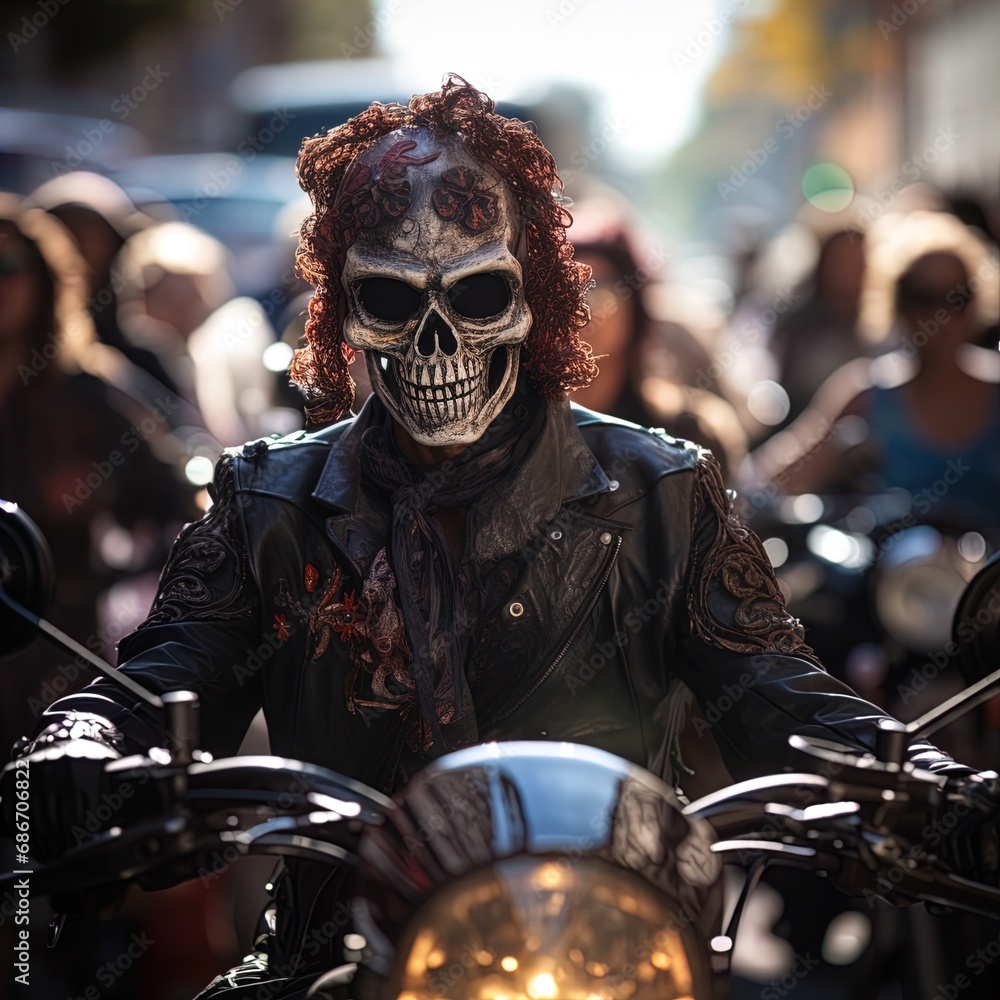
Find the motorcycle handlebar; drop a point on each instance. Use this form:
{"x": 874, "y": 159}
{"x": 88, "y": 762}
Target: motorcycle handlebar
{"x": 824, "y": 824}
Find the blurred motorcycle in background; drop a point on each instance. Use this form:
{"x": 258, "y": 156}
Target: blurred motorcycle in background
{"x": 877, "y": 581}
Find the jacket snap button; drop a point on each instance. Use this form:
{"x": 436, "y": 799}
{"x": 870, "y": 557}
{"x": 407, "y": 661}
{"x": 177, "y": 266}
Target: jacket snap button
{"x": 614, "y": 484}
{"x": 516, "y": 609}
{"x": 606, "y": 538}
{"x": 556, "y": 535}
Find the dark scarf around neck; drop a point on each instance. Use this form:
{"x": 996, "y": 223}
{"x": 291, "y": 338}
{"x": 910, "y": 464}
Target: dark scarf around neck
{"x": 437, "y": 613}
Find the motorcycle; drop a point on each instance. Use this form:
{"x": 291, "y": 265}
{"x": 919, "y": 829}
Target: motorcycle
{"x": 875, "y": 578}
{"x": 511, "y": 871}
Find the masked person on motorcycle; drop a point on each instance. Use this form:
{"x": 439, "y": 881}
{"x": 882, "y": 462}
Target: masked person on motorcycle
{"x": 470, "y": 558}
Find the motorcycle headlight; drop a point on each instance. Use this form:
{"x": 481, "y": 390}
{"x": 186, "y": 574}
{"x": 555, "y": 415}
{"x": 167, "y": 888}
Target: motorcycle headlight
{"x": 533, "y": 929}
{"x": 918, "y": 588}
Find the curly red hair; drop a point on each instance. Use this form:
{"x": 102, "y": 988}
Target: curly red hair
{"x": 555, "y": 284}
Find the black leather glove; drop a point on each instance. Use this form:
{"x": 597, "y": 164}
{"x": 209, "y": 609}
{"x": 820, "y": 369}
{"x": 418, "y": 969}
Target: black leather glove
{"x": 969, "y": 824}
{"x": 60, "y": 775}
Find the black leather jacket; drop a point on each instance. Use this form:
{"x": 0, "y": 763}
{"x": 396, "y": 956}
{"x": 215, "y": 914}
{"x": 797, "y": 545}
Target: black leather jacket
{"x": 612, "y": 568}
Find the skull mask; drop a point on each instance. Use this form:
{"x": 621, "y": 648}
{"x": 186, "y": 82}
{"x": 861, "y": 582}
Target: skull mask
{"x": 434, "y": 289}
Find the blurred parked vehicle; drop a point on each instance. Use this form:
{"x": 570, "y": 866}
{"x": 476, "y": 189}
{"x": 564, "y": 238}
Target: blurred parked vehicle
{"x": 317, "y": 96}
{"x": 36, "y": 146}
{"x": 237, "y": 197}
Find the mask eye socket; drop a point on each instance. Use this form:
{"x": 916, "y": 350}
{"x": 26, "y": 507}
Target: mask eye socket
{"x": 480, "y": 296}
{"x": 389, "y": 299}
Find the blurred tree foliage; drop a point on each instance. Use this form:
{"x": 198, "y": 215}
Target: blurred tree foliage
{"x": 321, "y": 28}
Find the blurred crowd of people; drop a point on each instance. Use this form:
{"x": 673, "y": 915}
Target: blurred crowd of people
{"x": 128, "y": 364}
{"x": 851, "y": 360}
{"x": 864, "y": 371}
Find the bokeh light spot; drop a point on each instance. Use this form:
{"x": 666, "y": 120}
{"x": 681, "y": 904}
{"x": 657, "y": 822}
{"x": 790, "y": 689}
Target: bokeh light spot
{"x": 828, "y": 187}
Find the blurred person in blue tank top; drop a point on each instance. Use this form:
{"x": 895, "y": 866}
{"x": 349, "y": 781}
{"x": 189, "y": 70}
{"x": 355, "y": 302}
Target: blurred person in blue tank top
{"x": 924, "y": 417}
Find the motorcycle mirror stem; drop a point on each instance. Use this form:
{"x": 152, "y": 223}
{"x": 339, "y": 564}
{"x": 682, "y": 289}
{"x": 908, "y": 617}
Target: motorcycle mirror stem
{"x": 956, "y": 706}
{"x": 26, "y": 568}
{"x": 892, "y": 737}
{"x": 69, "y": 645}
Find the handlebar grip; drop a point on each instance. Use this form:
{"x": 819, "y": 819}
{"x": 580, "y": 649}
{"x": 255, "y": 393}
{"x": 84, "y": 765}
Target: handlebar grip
{"x": 891, "y": 742}
{"x": 183, "y": 729}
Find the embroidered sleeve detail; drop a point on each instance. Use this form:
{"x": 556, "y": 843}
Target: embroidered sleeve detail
{"x": 205, "y": 576}
{"x": 734, "y": 602}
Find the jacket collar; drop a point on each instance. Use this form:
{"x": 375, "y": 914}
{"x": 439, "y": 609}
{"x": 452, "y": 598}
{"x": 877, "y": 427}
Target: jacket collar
{"x": 559, "y": 469}
{"x": 339, "y": 483}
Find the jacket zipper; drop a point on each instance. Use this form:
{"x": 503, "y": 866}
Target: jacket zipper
{"x": 572, "y": 637}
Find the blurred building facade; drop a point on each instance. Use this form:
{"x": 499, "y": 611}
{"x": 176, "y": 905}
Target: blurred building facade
{"x": 893, "y": 92}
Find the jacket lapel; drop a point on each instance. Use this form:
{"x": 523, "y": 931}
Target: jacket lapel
{"x": 359, "y": 524}
{"x": 559, "y": 470}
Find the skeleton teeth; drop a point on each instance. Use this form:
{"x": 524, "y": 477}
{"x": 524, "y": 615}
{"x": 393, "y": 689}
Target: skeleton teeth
{"x": 437, "y": 393}
{"x": 452, "y": 401}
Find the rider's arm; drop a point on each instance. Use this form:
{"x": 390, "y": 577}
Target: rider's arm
{"x": 745, "y": 658}
{"x": 204, "y": 619}
{"x": 809, "y": 456}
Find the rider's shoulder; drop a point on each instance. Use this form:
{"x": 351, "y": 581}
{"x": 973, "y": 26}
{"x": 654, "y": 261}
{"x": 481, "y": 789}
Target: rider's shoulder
{"x": 283, "y": 465}
{"x": 641, "y": 453}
